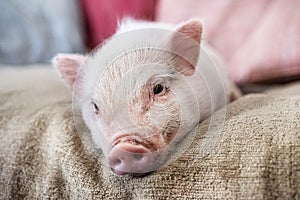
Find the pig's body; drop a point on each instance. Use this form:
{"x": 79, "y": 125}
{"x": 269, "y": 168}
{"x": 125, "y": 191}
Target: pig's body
{"x": 139, "y": 97}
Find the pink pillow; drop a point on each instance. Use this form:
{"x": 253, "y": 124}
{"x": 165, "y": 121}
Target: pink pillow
{"x": 260, "y": 39}
{"x": 102, "y": 15}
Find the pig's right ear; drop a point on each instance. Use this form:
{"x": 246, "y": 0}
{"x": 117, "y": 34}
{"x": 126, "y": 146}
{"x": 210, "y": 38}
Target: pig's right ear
{"x": 68, "y": 66}
{"x": 185, "y": 43}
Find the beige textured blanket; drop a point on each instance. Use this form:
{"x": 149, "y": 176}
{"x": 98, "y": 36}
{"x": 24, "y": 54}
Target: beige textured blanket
{"x": 41, "y": 156}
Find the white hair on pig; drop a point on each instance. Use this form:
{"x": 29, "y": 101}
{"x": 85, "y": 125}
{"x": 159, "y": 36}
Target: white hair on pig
{"x": 145, "y": 89}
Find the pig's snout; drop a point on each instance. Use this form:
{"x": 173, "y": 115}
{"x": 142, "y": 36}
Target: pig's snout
{"x": 126, "y": 158}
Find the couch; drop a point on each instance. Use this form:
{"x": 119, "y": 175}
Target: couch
{"x": 42, "y": 156}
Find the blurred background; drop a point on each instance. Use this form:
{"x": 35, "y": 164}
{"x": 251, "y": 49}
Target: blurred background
{"x": 34, "y": 31}
{"x": 259, "y": 39}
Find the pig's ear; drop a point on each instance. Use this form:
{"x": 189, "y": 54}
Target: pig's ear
{"x": 68, "y": 66}
{"x": 185, "y": 43}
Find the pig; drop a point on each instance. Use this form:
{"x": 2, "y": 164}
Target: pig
{"x": 144, "y": 89}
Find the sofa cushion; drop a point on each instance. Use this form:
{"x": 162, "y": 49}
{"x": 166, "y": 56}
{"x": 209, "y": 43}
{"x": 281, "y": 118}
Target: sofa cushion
{"x": 253, "y": 154}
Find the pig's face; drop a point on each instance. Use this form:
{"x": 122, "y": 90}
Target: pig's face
{"x": 139, "y": 103}
{"x": 135, "y": 104}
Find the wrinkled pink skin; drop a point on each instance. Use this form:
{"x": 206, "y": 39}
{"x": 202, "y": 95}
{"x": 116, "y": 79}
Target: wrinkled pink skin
{"x": 135, "y": 134}
{"x": 259, "y": 38}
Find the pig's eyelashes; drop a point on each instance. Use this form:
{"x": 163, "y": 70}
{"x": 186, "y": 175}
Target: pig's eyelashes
{"x": 158, "y": 89}
{"x": 96, "y": 108}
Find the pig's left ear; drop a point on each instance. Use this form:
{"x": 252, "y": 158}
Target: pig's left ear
{"x": 68, "y": 66}
{"x": 185, "y": 43}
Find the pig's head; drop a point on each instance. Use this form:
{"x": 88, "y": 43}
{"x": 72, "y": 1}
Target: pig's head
{"x": 136, "y": 94}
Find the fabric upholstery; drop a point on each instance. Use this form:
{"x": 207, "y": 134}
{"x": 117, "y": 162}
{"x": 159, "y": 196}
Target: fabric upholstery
{"x": 256, "y": 156}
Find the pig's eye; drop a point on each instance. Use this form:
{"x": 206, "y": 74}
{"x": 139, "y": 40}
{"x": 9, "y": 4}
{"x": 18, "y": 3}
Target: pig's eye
{"x": 96, "y": 108}
{"x": 158, "y": 88}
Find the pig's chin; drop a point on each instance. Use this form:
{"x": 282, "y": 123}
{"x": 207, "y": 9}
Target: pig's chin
{"x": 121, "y": 173}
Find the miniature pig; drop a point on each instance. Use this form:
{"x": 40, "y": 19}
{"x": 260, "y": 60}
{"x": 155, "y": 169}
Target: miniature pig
{"x": 144, "y": 90}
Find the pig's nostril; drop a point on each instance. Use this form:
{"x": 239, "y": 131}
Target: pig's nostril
{"x": 116, "y": 162}
{"x": 138, "y": 156}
